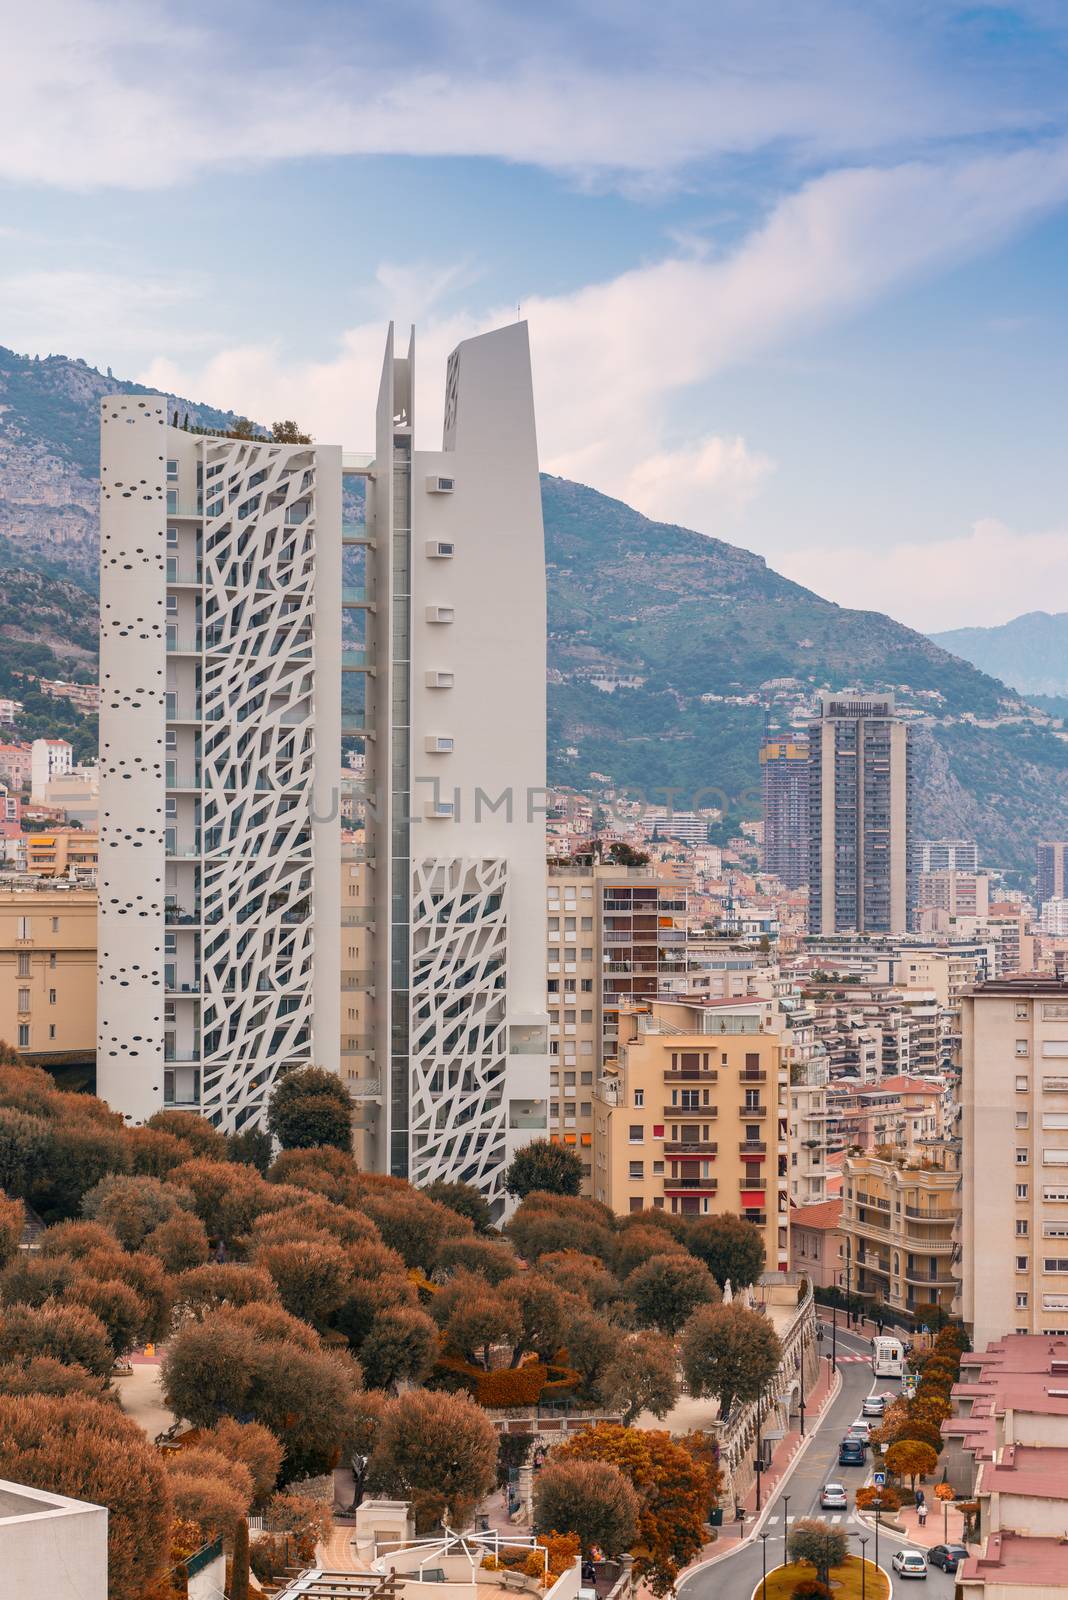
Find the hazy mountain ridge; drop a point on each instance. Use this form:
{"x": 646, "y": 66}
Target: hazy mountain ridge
{"x": 1030, "y": 652}
{"x": 688, "y": 614}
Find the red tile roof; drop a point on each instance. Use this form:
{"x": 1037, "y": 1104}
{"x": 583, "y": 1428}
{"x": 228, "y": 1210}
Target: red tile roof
{"x": 825, "y": 1214}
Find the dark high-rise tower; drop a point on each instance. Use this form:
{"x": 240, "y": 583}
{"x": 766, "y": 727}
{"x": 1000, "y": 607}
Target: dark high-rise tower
{"x": 784, "y": 769}
{"x": 860, "y": 857}
{"x": 1051, "y": 860}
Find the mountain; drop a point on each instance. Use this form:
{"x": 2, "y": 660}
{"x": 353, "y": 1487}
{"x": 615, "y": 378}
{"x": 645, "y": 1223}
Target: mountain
{"x": 664, "y": 644}
{"x": 1030, "y": 652}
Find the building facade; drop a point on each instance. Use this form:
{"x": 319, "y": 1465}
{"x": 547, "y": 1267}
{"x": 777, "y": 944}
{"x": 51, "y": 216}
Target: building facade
{"x": 219, "y": 764}
{"x": 1050, "y": 858}
{"x": 49, "y": 758}
{"x": 1014, "y": 1132}
{"x": 693, "y": 1120}
{"x": 860, "y": 866}
{"x": 48, "y": 972}
{"x": 784, "y": 782}
{"x": 897, "y": 1223}
{"x": 449, "y": 681}
{"x": 948, "y": 855}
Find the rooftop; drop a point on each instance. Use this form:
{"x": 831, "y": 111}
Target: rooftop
{"x": 1010, "y": 1558}
{"x": 826, "y": 1214}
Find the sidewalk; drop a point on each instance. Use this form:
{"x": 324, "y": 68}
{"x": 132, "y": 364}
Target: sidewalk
{"x": 732, "y": 1534}
{"x": 908, "y": 1523}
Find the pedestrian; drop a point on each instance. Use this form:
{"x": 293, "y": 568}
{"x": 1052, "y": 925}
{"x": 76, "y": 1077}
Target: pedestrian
{"x": 921, "y": 1513}
{"x": 920, "y": 1498}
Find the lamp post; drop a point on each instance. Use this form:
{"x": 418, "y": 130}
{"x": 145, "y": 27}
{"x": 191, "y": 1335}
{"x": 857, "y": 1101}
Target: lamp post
{"x": 863, "y": 1565}
{"x": 878, "y": 1508}
{"x": 834, "y": 1336}
{"x": 759, "y": 1453}
{"x": 802, "y": 1384}
{"x": 785, "y": 1528}
{"x": 764, "y": 1566}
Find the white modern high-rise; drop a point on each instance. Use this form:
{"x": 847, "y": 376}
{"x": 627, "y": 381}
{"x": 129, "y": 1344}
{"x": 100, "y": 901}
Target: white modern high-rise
{"x": 226, "y": 688}
{"x": 220, "y": 639}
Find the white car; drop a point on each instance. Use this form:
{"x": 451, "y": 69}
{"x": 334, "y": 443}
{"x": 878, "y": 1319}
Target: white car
{"x": 833, "y": 1498}
{"x": 861, "y": 1429}
{"x": 909, "y": 1563}
{"x": 875, "y": 1404}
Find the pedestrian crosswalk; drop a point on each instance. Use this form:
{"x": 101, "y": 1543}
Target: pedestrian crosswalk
{"x": 866, "y": 1359}
{"x": 835, "y": 1516}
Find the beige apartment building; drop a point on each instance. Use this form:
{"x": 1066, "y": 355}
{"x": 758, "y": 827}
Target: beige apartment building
{"x": 48, "y": 972}
{"x": 897, "y": 1223}
{"x": 63, "y": 853}
{"x": 692, "y": 1118}
{"x": 613, "y": 935}
{"x": 1014, "y": 1131}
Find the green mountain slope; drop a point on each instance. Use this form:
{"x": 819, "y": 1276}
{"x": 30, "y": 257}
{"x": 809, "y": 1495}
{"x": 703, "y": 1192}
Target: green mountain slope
{"x": 688, "y": 616}
{"x": 1030, "y": 652}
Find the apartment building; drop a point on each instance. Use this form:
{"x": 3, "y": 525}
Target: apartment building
{"x": 63, "y": 853}
{"x": 693, "y": 1117}
{"x": 953, "y": 893}
{"x": 1051, "y": 856}
{"x": 784, "y": 781}
{"x": 613, "y": 935}
{"x": 228, "y": 684}
{"x": 1054, "y": 918}
{"x": 1014, "y": 1131}
{"x": 897, "y": 1223}
{"x": 1010, "y": 926}
{"x": 1006, "y": 1447}
{"x": 49, "y": 758}
{"x": 817, "y": 1245}
{"x": 48, "y": 972}
{"x": 948, "y": 855}
{"x": 16, "y": 761}
{"x": 908, "y": 1114}
{"x": 860, "y": 817}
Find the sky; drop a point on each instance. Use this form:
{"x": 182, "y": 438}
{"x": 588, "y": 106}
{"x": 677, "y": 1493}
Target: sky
{"x": 794, "y": 270}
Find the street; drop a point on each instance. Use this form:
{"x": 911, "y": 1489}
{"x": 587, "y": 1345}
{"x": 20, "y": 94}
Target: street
{"x": 738, "y": 1575}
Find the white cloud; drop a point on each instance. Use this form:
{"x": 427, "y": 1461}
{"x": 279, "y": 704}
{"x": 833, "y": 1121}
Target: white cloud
{"x": 104, "y": 317}
{"x": 614, "y": 362}
{"x": 979, "y": 578}
{"x": 141, "y": 94}
{"x": 697, "y": 484}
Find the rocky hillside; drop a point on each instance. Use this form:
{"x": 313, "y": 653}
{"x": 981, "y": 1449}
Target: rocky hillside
{"x": 664, "y": 644}
{"x": 1030, "y": 652}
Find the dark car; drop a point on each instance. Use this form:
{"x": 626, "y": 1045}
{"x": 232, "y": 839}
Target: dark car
{"x": 947, "y": 1556}
{"x": 851, "y": 1451}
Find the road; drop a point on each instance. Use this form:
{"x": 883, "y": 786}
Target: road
{"x": 738, "y": 1575}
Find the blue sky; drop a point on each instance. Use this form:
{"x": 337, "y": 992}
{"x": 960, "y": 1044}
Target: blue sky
{"x": 794, "y": 269}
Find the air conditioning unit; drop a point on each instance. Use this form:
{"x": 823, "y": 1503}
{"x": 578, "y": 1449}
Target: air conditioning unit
{"x": 440, "y": 614}
{"x": 440, "y": 680}
{"x": 440, "y": 810}
{"x": 440, "y": 549}
{"x": 440, "y": 744}
{"x": 436, "y": 485}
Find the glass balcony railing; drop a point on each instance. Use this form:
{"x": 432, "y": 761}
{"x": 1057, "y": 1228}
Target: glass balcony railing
{"x": 354, "y": 594}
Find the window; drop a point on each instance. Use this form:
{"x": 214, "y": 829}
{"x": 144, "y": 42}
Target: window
{"x": 1055, "y": 1264}
{"x": 637, "y": 1132}
{"x": 52, "y": 959}
{"x": 55, "y": 924}
{"x": 586, "y": 952}
{"x": 1022, "y": 1190}
{"x": 1022, "y": 1158}
{"x": 24, "y": 999}
{"x": 639, "y": 1097}
{"x": 24, "y": 1035}
{"x": 1021, "y": 1300}
{"x": 51, "y": 1030}
{"x": 637, "y": 1169}
{"x": 1022, "y": 1227}
{"x": 586, "y": 924}
{"x": 23, "y": 928}
{"x": 637, "y": 1203}
{"x": 1022, "y": 1083}
{"x": 1021, "y": 1047}
{"x": 1021, "y": 1263}
{"x": 23, "y": 964}
{"x": 1023, "y": 1010}
{"x": 658, "y": 1130}
{"x": 586, "y": 985}
{"x": 51, "y": 997}
{"x": 1021, "y": 1119}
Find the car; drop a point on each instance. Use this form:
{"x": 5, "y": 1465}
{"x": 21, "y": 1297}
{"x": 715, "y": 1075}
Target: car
{"x": 874, "y": 1405}
{"x": 909, "y": 1563}
{"x": 861, "y": 1428}
{"x": 852, "y": 1451}
{"x": 947, "y": 1556}
{"x": 833, "y": 1498}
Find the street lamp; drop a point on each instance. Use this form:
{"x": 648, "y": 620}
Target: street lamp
{"x": 834, "y": 1336}
{"x": 759, "y": 1452}
{"x": 878, "y": 1508}
{"x": 764, "y": 1565}
{"x": 785, "y": 1527}
{"x": 863, "y": 1565}
{"x": 802, "y": 1384}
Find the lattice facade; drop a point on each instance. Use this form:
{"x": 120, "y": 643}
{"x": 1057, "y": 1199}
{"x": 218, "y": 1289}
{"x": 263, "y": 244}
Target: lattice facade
{"x": 239, "y": 666}
{"x": 459, "y": 1037}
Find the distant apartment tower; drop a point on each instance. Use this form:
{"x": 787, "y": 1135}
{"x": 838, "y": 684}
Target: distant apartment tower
{"x": 860, "y": 867}
{"x": 948, "y": 855}
{"x": 49, "y": 758}
{"x": 614, "y": 935}
{"x": 785, "y": 780}
{"x": 1055, "y": 918}
{"x": 220, "y": 674}
{"x": 1014, "y": 1133}
{"x": 1050, "y": 857}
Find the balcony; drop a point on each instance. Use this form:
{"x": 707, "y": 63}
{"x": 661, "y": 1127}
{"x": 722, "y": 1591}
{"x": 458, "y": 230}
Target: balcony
{"x": 359, "y": 1044}
{"x": 696, "y": 1075}
{"x": 181, "y": 1055}
{"x": 689, "y": 1147}
{"x": 181, "y": 916}
{"x": 752, "y": 1076}
{"x": 688, "y": 1113}
{"x": 752, "y": 1113}
{"x": 357, "y": 916}
{"x": 948, "y": 1217}
{"x": 752, "y": 1147}
{"x": 355, "y": 595}
{"x": 679, "y": 1185}
{"x": 361, "y": 981}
